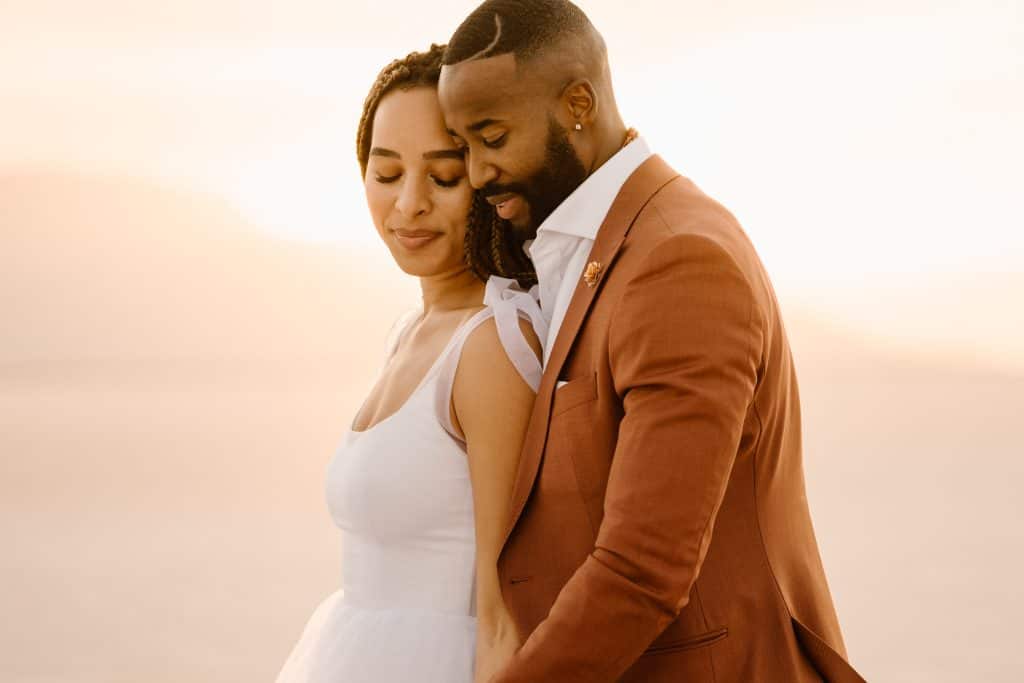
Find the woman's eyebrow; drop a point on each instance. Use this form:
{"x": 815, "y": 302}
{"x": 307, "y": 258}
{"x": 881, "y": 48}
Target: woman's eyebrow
{"x": 445, "y": 154}
{"x": 436, "y": 154}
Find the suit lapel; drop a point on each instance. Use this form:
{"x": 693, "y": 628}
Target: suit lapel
{"x": 638, "y": 189}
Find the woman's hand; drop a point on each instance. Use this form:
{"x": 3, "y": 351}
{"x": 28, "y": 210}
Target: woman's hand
{"x": 495, "y": 644}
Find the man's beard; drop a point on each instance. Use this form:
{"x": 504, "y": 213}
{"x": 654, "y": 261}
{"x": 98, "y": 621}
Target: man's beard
{"x": 561, "y": 173}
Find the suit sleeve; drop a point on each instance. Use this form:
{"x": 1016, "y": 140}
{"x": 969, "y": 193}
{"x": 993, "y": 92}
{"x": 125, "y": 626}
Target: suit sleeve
{"x": 684, "y": 348}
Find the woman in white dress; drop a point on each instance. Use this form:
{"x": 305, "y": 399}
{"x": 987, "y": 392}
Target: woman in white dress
{"x": 421, "y": 483}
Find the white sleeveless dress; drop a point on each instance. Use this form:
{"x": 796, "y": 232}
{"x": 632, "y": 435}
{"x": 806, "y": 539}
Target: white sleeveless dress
{"x": 400, "y": 492}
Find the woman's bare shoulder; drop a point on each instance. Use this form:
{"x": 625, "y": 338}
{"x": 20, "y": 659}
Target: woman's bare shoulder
{"x": 484, "y": 357}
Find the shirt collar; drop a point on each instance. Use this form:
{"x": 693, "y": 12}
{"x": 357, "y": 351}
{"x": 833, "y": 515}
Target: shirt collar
{"x": 583, "y": 211}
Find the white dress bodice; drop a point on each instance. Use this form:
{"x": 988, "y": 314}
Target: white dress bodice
{"x": 401, "y": 494}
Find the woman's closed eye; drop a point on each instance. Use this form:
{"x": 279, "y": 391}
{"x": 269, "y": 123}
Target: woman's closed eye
{"x": 446, "y": 182}
{"x": 440, "y": 181}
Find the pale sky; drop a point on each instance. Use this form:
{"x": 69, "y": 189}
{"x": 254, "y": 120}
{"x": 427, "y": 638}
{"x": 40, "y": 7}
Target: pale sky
{"x": 872, "y": 144}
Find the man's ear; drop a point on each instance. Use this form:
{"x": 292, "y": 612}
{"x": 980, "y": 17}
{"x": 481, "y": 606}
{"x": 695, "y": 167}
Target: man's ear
{"x": 580, "y": 99}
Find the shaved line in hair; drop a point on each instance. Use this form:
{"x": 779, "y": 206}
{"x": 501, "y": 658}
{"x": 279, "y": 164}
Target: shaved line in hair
{"x": 497, "y": 36}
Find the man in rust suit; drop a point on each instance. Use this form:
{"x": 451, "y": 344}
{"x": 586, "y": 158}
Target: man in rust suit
{"x": 659, "y": 528}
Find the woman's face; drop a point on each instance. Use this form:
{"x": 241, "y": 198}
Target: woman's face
{"x": 416, "y": 184}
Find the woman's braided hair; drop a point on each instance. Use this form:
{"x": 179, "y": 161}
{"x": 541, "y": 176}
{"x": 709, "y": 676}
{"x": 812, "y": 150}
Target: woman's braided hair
{"x": 492, "y": 246}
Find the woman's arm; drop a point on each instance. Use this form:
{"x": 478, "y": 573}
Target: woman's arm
{"x": 492, "y": 405}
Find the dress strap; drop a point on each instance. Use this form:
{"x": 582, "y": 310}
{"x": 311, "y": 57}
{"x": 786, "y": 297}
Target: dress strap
{"x": 506, "y": 302}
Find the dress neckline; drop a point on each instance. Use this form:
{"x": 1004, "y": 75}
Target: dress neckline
{"x": 423, "y": 380}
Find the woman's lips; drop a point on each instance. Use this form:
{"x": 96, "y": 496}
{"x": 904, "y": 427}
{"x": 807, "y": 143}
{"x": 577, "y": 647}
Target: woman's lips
{"x": 414, "y": 239}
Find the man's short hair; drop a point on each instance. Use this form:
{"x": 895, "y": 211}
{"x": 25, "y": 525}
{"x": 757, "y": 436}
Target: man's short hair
{"x": 523, "y": 27}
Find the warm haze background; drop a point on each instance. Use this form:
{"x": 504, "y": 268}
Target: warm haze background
{"x": 193, "y": 301}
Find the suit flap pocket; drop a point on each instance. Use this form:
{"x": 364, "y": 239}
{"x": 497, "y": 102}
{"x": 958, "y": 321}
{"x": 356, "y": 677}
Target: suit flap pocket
{"x": 702, "y": 640}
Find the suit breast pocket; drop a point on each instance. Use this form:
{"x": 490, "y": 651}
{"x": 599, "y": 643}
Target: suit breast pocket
{"x": 573, "y": 393}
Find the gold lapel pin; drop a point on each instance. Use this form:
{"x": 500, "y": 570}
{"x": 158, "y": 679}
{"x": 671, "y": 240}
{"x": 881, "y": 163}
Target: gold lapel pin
{"x": 593, "y": 273}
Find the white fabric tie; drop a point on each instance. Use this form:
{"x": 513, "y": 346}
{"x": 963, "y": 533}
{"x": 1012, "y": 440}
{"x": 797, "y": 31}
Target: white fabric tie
{"x": 508, "y": 300}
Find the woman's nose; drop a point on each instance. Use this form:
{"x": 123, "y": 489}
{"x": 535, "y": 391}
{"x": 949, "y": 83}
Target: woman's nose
{"x": 412, "y": 198}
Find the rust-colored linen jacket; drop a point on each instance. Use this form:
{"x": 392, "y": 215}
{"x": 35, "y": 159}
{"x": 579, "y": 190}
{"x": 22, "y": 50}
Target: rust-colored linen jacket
{"x": 659, "y": 527}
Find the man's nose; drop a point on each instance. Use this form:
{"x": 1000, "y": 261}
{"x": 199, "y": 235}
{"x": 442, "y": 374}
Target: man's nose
{"x": 412, "y": 198}
{"x": 481, "y": 172}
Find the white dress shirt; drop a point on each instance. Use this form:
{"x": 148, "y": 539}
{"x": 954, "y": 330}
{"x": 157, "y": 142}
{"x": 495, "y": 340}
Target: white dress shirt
{"x": 564, "y": 239}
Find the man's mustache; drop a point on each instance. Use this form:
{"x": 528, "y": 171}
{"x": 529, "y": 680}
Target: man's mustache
{"x": 492, "y": 190}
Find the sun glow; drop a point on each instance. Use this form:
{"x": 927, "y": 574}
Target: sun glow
{"x": 309, "y": 191}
